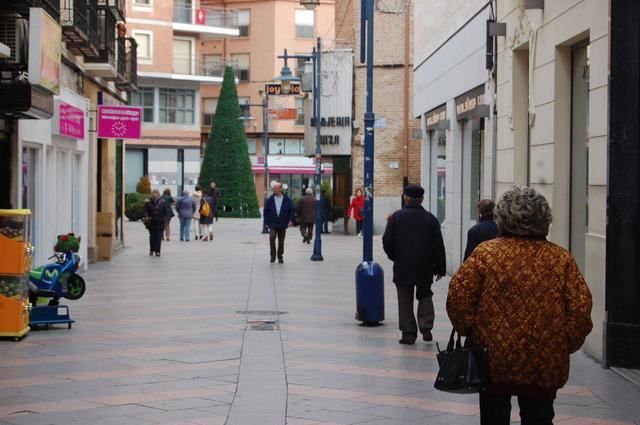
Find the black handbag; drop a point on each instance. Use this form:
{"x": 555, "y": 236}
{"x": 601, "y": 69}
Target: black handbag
{"x": 463, "y": 368}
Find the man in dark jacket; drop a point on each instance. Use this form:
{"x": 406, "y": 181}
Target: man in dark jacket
{"x": 325, "y": 210}
{"x": 307, "y": 215}
{"x": 486, "y": 228}
{"x": 278, "y": 215}
{"x": 216, "y": 197}
{"x": 413, "y": 241}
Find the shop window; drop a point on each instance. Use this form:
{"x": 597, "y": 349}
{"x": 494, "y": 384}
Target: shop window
{"x": 293, "y": 147}
{"x": 252, "y": 146}
{"x": 441, "y": 178}
{"x": 177, "y": 106}
{"x": 304, "y": 23}
{"x": 145, "y": 98}
{"x": 276, "y": 146}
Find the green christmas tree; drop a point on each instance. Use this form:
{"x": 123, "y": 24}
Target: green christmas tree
{"x": 226, "y": 159}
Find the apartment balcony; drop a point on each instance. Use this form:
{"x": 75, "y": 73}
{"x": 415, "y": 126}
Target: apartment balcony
{"x": 117, "y": 7}
{"x": 78, "y": 19}
{"x": 128, "y": 79}
{"x": 104, "y": 64}
{"x": 186, "y": 69}
{"x": 217, "y": 22}
{"x": 52, "y": 7}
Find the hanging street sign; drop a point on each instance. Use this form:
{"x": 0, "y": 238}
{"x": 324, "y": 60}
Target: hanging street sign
{"x": 275, "y": 89}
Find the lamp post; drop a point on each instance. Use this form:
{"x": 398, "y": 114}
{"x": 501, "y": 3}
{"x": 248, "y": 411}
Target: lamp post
{"x": 369, "y": 274}
{"x": 286, "y": 77}
{"x": 265, "y": 145}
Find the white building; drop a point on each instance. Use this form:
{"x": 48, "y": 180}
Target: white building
{"x": 453, "y": 96}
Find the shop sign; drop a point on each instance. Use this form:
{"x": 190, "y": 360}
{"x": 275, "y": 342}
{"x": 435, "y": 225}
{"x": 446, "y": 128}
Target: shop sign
{"x": 336, "y": 121}
{"x": 275, "y": 89}
{"x": 68, "y": 121}
{"x": 45, "y": 50}
{"x": 435, "y": 116}
{"x": 283, "y": 114}
{"x": 472, "y": 104}
{"x": 119, "y": 122}
{"x": 201, "y": 16}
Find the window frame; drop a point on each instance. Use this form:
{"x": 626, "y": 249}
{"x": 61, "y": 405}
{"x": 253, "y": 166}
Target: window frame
{"x": 204, "y": 111}
{"x": 144, "y": 60}
{"x": 248, "y": 26}
{"x": 192, "y": 54}
{"x": 221, "y": 62}
{"x": 177, "y": 92}
{"x": 238, "y": 70}
{"x": 298, "y": 33}
{"x": 299, "y": 121}
{"x": 141, "y": 93}
{"x": 148, "y": 7}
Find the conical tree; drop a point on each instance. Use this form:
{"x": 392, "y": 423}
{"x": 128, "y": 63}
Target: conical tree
{"x": 226, "y": 159}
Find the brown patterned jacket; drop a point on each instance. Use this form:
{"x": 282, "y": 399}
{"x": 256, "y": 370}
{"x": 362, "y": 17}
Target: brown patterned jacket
{"x": 526, "y": 301}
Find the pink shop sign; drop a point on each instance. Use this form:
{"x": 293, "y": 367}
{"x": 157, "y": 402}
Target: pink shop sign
{"x": 119, "y": 122}
{"x": 68, "y": 120}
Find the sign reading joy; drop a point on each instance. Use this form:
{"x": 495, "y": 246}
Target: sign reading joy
{"x": 119, "y": 122}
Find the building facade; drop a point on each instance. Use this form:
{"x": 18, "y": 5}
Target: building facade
{"x": 397, "y": 151}
{"x": 453, "y": 96}
{"x": 267, "y": 28}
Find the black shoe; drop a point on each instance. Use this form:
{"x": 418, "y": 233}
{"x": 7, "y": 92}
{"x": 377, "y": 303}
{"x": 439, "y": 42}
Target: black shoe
{"x": 407, "y": 341}
{"x": 308, "y": 241}
{"x": 281, "y": 260}
{"x": 427, "y": 336}
{"x": 151, "y": 253}
{"x": 273, "y": 259}
{"x": 157, "y": 254}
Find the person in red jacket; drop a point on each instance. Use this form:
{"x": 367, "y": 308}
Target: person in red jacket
{"x": 356, "y": 210}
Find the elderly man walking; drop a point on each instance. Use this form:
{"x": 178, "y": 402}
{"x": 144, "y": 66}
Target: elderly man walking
{"x": 307, "y": 215}
{"x": 186, "y": 207}
{"x": 278, "y": 215}
{"x": 413, "y": 241}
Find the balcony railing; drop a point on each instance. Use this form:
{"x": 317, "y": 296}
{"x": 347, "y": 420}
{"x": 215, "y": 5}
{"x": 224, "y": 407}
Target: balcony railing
{"x": 52, "y": 7}
{"x": 118, "y": 7}
{"x": 106, "y": 44}
{"x": 76, "y": 17}
{"x": 129, "y": 81}
{"x": 205, "y": 17}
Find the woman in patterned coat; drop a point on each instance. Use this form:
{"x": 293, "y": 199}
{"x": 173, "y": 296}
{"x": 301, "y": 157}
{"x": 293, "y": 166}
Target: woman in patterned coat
{"x": 525, "y": 300}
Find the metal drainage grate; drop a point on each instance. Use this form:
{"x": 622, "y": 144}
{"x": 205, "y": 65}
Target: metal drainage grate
{"x": 262, "y": 324}
{"x": 261, "y": 312}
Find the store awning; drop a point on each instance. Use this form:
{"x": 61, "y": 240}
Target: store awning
{"x": 259, "y": 169}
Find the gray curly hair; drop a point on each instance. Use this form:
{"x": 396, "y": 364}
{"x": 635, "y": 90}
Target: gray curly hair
{"x": 522, "y": 211}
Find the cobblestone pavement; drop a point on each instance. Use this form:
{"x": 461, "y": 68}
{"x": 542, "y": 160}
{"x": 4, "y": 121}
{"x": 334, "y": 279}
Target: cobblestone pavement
{"x": 185, "y": 339}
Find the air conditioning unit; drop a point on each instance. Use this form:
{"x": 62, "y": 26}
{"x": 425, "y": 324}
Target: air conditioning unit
{"x": 14, "y": 33}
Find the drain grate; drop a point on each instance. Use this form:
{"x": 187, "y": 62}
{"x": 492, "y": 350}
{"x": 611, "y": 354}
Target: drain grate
{"x": 262, "y": 324}
{"x": 261, "y": 312}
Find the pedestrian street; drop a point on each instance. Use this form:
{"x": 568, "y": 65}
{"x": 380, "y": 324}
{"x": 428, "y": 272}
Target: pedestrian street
{"x": 213, "y": 333}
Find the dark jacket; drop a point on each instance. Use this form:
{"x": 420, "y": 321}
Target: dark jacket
{"x": 287, "y": 213}
{"x": 168, "y": 201}
{"x": 186, "y": 207}
{"x": 485, "y": 230}
{"x": 307, "y": 210}
{"x": 215, "y": 195}
{"x": 205, "y": 219}
{"x": 413, "y": 241}
{"x": 156, "y": 213}
{"x": 325, "y": 206}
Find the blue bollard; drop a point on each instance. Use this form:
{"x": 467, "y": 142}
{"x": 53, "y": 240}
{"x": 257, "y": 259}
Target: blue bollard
{"x": 370, "y": 293}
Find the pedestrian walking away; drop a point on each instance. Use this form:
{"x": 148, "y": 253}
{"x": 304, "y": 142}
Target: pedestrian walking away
{"x": 197, "y": 198}
{"x": 413, "y": 241}
{"x": 278, "y": 215}
{"x": 356, "y": 210}
{"x": 307, "y": 215}
{"x": 486, "y": 228}
{"x": 186, "y": 207}
{"x": 206, "y": 217}
{"x": 153, "y": 217}
{"x": 325, "y": 210}
{"x": 524, "y": 299}
{"x": 168, "y": 201}
{"x": 216, "y": 197}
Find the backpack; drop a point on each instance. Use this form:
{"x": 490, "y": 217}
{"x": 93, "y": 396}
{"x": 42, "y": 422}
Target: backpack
{"x": 206, "y": 209}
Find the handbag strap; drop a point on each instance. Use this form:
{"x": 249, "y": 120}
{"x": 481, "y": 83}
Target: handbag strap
{"x": 457, "y": 341}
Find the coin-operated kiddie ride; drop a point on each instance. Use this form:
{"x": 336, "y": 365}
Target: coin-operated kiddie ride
{"x": 55, "y": 280}
{"x": 15, "y": 263}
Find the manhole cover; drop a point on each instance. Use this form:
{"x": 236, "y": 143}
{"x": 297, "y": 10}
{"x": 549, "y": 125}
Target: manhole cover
{"x": 262, "y": 325}
{"x": 261, "y": 312}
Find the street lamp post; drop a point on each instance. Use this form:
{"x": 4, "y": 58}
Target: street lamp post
{"x": 286, "y": 78}
{"x": 369, "y": 274}
{"x": 265, "y": 145}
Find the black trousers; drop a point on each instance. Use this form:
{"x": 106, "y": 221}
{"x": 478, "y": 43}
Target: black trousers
{"x": 155, "y": 239}
{"x": 406, "y": 317}
{"x": 306, "y": 230}
{"x": 496, "y": 410}
{"x": 359, "y": 226}
{"x": 280, "y": 234}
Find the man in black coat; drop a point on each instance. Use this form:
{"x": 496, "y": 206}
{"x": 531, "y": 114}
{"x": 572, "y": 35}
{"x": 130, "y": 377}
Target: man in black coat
{"x": 278, "y": 215}
{"x": 413, "y": 241}
{"x": 486, "y": 228}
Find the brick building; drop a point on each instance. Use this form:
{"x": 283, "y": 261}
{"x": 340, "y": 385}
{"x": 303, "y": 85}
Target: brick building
{"x": 393, "y": 81}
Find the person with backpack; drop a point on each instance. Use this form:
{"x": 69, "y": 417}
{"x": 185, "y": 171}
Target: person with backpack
{"x": 206, "y": 217}
{"x": 154, "y": 216}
